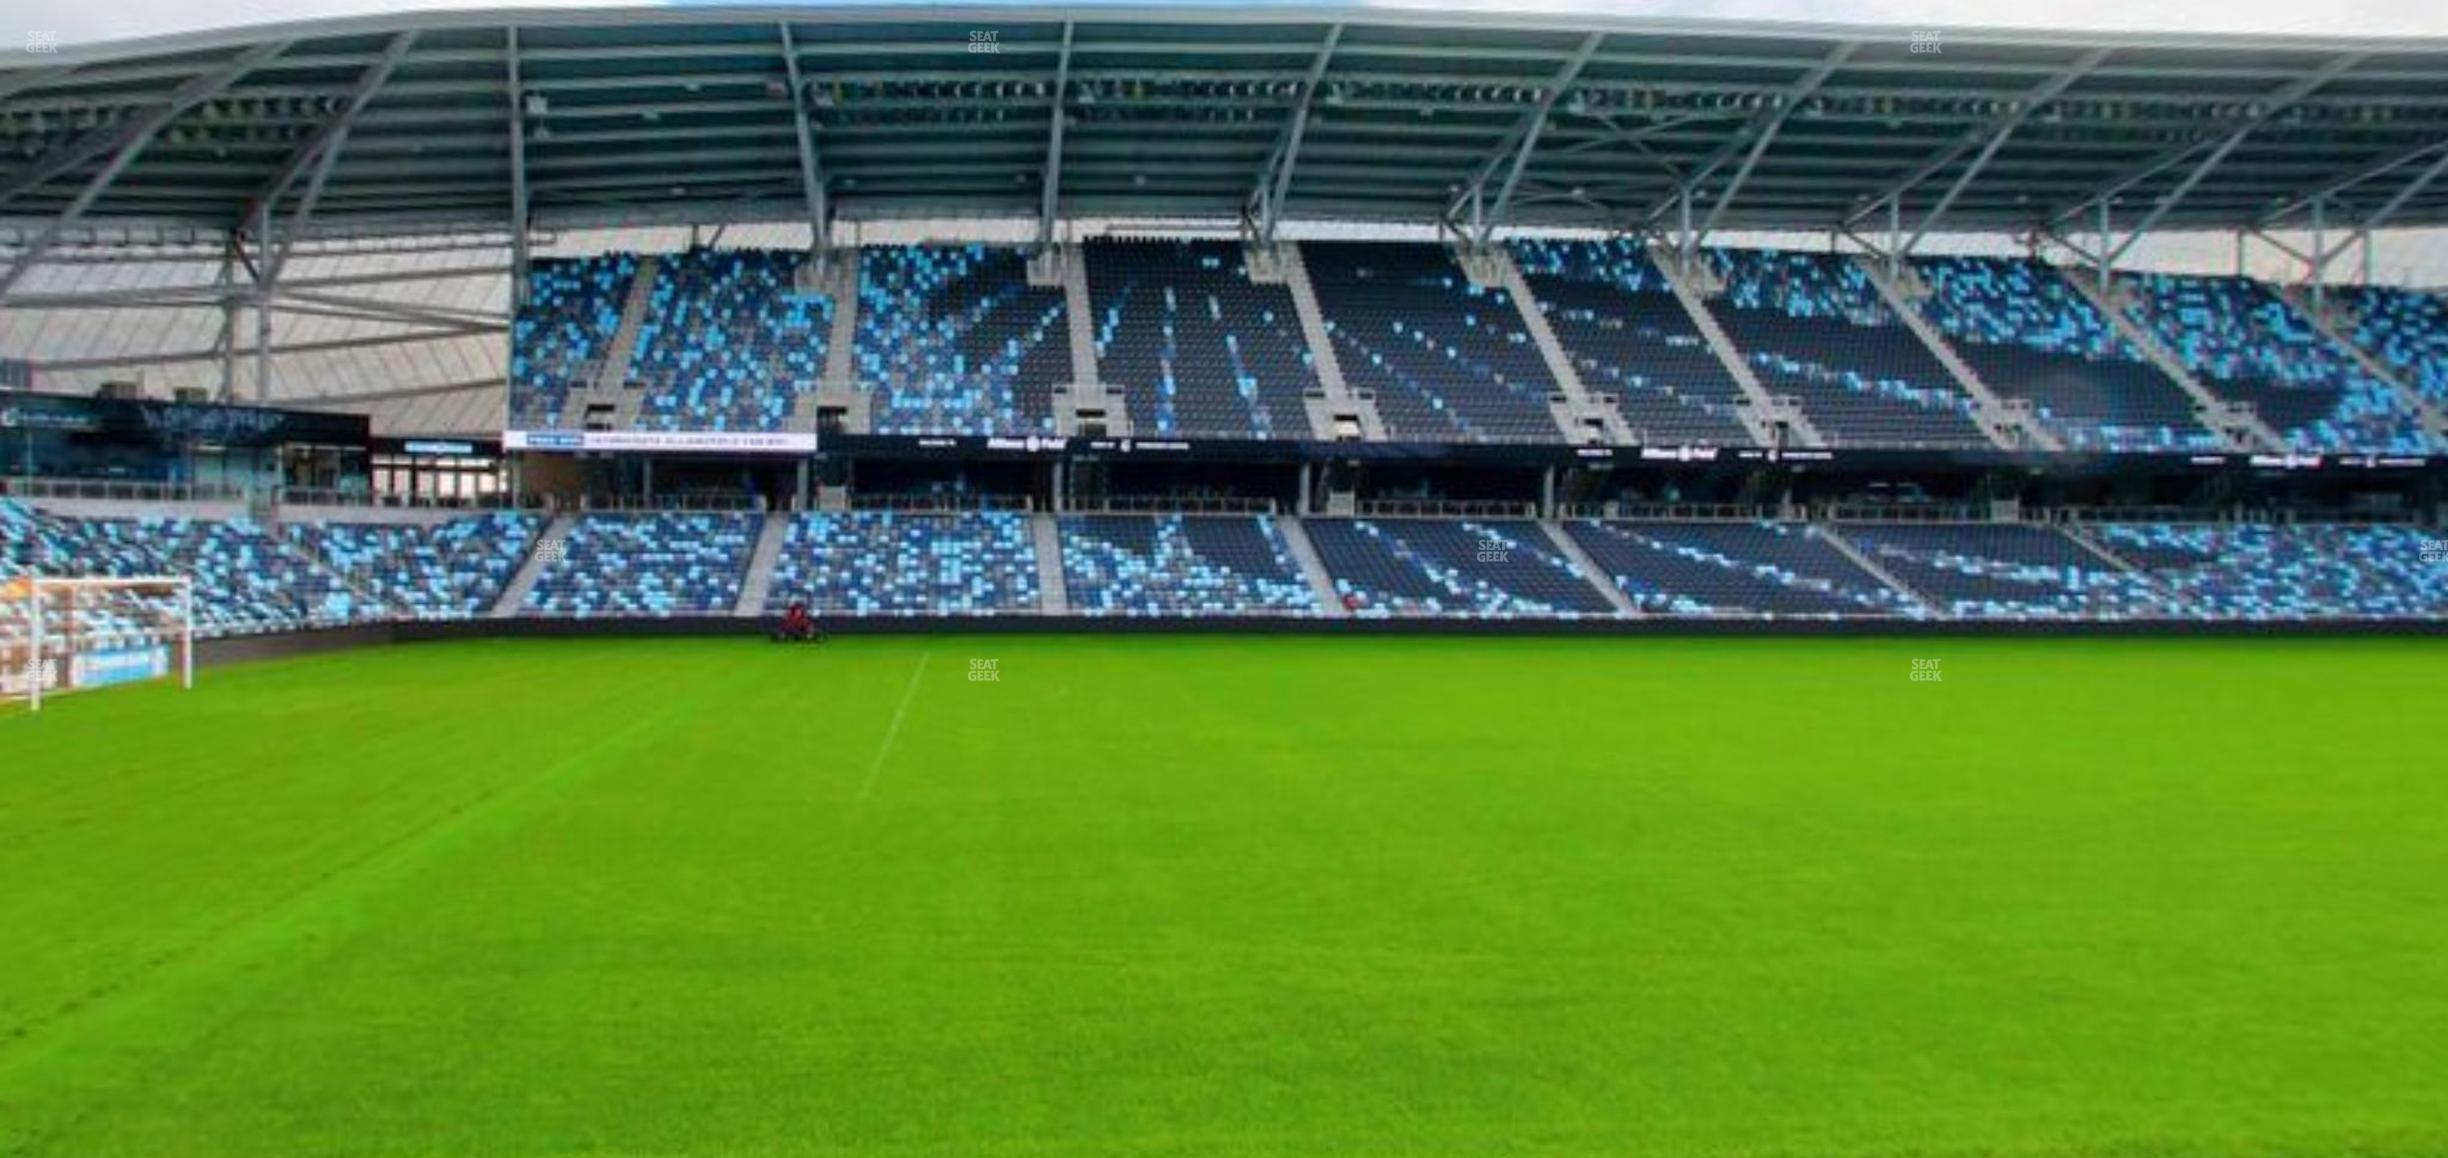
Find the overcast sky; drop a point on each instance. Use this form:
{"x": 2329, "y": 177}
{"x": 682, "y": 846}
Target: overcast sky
{"x": 79, "y": 21}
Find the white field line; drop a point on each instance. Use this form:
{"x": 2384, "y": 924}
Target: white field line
{"x": 875, "y": 767}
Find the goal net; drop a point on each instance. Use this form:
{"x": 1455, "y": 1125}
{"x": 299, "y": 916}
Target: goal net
{"x": 69, "y": 634}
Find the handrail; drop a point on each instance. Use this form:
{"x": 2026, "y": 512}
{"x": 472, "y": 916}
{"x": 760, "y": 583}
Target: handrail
{"x": 1447, "y": 508}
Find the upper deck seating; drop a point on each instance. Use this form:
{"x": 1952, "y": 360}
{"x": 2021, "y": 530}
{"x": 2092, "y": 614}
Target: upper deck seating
{"x": 2246, "y": 344}
{"x": 1813, "y": 326}
{"x": 1629, "y": 335}
{"x": 1197, "y": 348}
{"x": 954, "y": 340}
{"x": 560, "y": 337}
{"x": 1448, "y": 361}
{"x": 728, "y": 342}
{"x": 2407, "y": 330}
{"x": 2030, "y": 335}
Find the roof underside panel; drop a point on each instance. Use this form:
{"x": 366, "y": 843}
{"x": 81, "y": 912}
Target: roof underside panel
{"x": 418, "y": 120}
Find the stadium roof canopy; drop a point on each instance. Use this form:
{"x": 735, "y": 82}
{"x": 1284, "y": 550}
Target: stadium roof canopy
{"x": 320, "y": 214}
{"x": 453, "y": 120}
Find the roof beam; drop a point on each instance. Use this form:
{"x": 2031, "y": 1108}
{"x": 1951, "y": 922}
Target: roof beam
{"x": 1999, "y": 129}
{"x": 1507, "y": 145}
{"x": 2282, "y": 98}
{"x": 104, "y": 140}
{"x": 2388, "y": 209}
{"x": 328, "y": 138}
{"x": 1275, "y": 180}
{"x": 2380, "y": 168}
{"x": 1054, "y": 139}
{"x": 2274, "y": 102}
{"x": 129, "y": 141}
{"x": 811, "y": 172}
{"x": 1534, "y": 123}
{"x": 518, "y": 169}
{"x": 2031, "y": 102}
{"x": 1769, "y": 122}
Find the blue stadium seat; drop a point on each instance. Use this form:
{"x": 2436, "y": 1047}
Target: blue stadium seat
{"x": 1629, "y": 335}
{"x": 2030, "y": 335}
{"x": 1181, "y": 565}
{"x": 453, "y": 569}
{"x": 2407, "y": 330}
{"x": 246, "y": 580}
{"x": 559, "y": 339}
{"x": 1484, "y": 569}
{"x": 651, "y": 565}
{"x": 1197, "y": 348}
{"x": 2001, "y": 571}
{"x": 888, "y": 563}
{"x": 1813, "y": 326}
{"x": 1449, "y": 361}
{"x": 954, "y": 340}
{"x": 1736, "y": 570}
{"x": 728, "y": 342}
{"x": 2258, "y": 572}
{"x": 2246, "y": 344}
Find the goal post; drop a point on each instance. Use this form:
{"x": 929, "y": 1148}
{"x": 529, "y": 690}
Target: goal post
{"x": 62, "y": 634}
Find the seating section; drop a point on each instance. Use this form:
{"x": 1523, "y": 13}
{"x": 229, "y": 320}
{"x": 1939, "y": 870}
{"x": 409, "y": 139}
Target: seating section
{"x": 888, "y": 563}
{"x": 1181, "y": 565}
{"x": 246, "y": 581}
{"x": 1448, "y": 361}
{"x": 2030, "y": 335}
{"x": 2004, "y": 571}
{"x": 652, "y": 565}
{"x": 1488, "y": 569}
{"x": 728, "y": 343}
{"x": 1736, "y": 570}
{"x": 1813, "y": 326}
{"x": 560, "y": 338}
{"x": 453, "y": 569}
{"x": 2246, "y": 344}
{"x": 1197, "y": 348}
{"x": 2408, "y": 331}
{"x": 1629, "y": 335}
{"x": 954, "y": 340}
{"x": 2293, "y": 572}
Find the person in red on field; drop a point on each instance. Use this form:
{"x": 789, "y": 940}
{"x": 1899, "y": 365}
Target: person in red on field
{"x": 797, "y": 625}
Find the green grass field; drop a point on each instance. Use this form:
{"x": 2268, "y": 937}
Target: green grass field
{"x": 1235, "y": 897}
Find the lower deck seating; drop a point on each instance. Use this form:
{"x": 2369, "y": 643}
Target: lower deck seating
{"x": 453, "y": 569}
{"x": 246, "y": 580}
{"x": 651, "y": 565}
{"x": 1490, "y": 569}
{"x": 2291, "y": 572}
{"x": 2004, "y": 571}
{"x": 1181, "y": 565}
{"x": 1736, "y": 570}
{"x": 888, "y": 563}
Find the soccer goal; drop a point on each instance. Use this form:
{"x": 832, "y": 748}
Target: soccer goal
{"x": 68, "y": 634}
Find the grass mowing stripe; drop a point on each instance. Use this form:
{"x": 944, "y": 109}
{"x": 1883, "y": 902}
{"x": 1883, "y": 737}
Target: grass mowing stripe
{"x": 875, "y": 767}
{"x": 1236, "y": 897}
{"x": 245, "y": 960}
